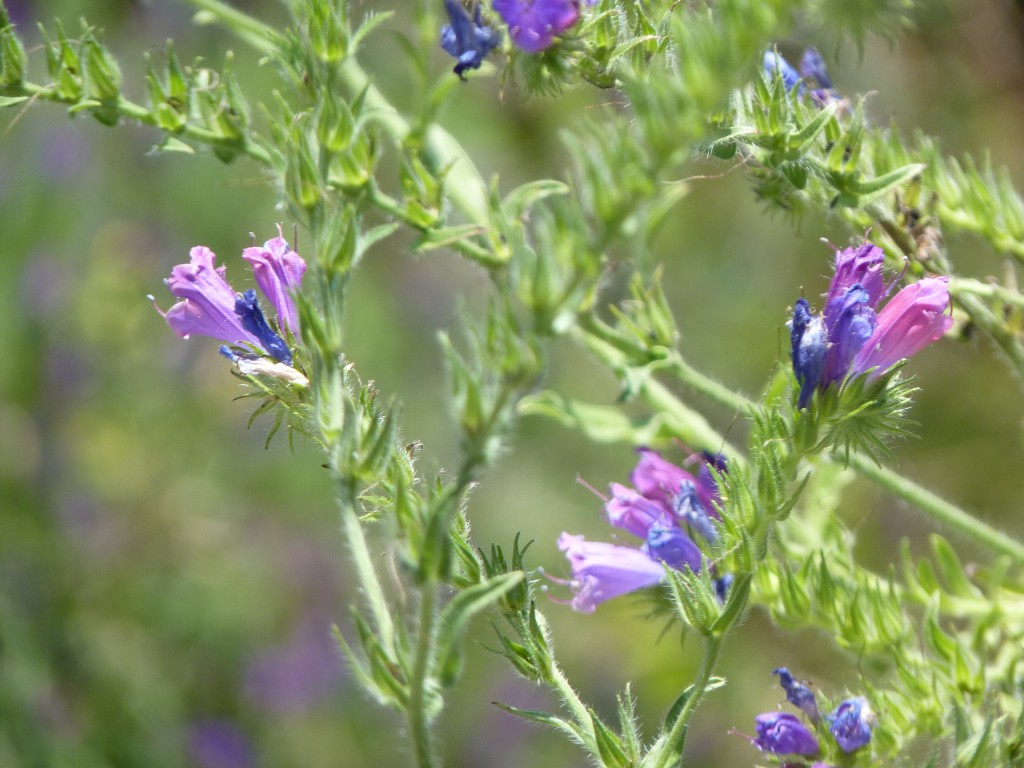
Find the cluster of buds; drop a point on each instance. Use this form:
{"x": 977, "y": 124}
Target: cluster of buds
{"x": 849, "y": 725}
{"x": 669, "y": 509}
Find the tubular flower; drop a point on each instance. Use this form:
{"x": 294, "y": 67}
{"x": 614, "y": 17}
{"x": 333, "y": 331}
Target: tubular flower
{"x": 663, "y": 511}
{"x": 783, "y": 734}
{"x": 852, "y": 338}
{"x": 466, "y": 38}
{"x": 601, "y": 571}
{"x": 278, "y": 271}
{"x": 533, "y": 25}
{"x": 210, "y": 307}
{"x": 851, "y": 723}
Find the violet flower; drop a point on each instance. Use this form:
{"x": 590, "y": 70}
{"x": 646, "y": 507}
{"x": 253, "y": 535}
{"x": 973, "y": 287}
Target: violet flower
{"x": 663, "y": 511}
{"x": 465, "y": 38}
{"x": 210, "y": 307}
{"x": 812, "y": 75}
{"x": 278, "y": 271}
{"x": 798, "y": 694}
{"x": 534, "y": 24}
{"x": 783, "y": 734}
{"x": 851, "y": 723}
{"x": 851, "y": 337}
{"x": 601, "y": 571}
{"x": 774, "y": 62}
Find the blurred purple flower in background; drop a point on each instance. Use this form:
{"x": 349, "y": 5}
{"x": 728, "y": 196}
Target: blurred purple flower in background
{"x": 219, "y": 744}
{"x": 295, "y": 676}
{"x": 812, "y": 75}
{"x": 533, "y": 25}
{"x": 850, "y": 338}
{"x": 783, "y": 734}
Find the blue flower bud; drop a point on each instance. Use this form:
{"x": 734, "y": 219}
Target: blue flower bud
{"x": 247, "y": 307}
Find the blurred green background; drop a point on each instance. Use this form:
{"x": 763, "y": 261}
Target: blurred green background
{"x": 167, "y": 585}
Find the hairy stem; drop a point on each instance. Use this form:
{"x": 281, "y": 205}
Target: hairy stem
{"x": 416, "y": 711}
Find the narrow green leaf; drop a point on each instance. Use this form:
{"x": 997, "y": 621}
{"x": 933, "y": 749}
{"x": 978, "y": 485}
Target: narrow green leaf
{"x": 458, "y": 612}
{"x": 10, "y": 101}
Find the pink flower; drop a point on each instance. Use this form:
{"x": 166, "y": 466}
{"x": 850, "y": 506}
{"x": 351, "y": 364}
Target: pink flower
{"x": 914, "y": 318}
{"x": 278, "y": 271}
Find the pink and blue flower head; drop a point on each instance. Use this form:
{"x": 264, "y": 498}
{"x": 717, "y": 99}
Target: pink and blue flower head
{"x": 781, "y": 733}
{"x": 466, "y": 38}
{"x": 851, "y": 723}
{"x": 533, "y": 25}
{"x": 852, "y": 337}
{"x": 664, "y": 511}
{"x": 209, "y": 306}
{"x": 798, "y": 694}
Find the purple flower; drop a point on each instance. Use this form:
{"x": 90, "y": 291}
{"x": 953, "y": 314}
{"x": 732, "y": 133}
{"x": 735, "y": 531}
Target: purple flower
{"x": 851, "y": 723}
{"x": 219, "y": 744}
{"x": 773, "y": 62}
{"x": 210, "y": 307}
{"x": 662, "y": 512}
{"x": 671, "y": 546}
{"x": 465, "y": 38}
{"x": 812, "y": 74}
{"x": 278, "y": 271}
{"x": 851, "y": 337}
{"x": 601, "y": 571}
{"x": 533, "y": 24}
{"x": 207, "y": 305}
{"x": 783, "y": 734}
{"x": 798, "y": 694}
{"x": 634, "y": 512}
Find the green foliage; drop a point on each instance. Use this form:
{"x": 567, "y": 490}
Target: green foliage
{"x": 936, "y": 641}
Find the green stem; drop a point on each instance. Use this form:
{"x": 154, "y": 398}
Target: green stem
{"x": 416, "y": 711}
{"x": 676, "y": 737}
{"x": 463, "y": 184}
{"x": 133, "y": 111}
{"x": 938, "y": 508}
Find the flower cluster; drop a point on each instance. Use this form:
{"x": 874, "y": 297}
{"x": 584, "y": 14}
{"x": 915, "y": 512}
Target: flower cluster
{"x": 533, "y": 26}
{"x": 851, "y": 337}
{"x": 783, "y": 733}
{"x": 210, "y": 307}
{"x": 667, "y": 508}
{"x": 812, "y": 75}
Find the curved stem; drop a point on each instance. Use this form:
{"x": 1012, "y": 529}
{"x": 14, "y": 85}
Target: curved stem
{"x": 676, "y": 737}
